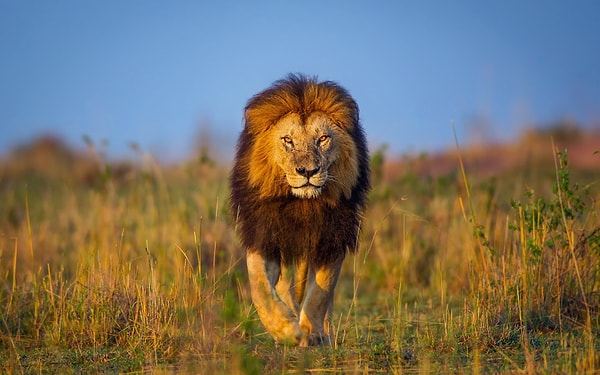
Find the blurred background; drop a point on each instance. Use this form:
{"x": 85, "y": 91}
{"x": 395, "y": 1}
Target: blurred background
{"x": 167, "y": 77}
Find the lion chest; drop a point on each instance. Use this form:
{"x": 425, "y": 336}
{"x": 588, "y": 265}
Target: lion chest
{"x": 302, "y": 229}
{"x": 297, "y": 223}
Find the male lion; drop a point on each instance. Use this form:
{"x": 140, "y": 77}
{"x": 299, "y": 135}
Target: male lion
{"x": 298, "y": 189}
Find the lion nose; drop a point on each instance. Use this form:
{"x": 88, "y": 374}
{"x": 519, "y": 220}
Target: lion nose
{"x": 307, "y": 172}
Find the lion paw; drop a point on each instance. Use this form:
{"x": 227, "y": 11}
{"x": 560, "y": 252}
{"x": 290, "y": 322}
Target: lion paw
{"x": 289, "y": 334}
{"x": 315, "y": 339}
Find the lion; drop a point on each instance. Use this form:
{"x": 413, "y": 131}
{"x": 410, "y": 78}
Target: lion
{"x": 299, "y": 186}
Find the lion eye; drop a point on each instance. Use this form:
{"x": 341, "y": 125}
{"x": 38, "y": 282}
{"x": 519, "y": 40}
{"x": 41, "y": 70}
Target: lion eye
{"x": 287, "y": 140}
{"x": 323, "y": 138}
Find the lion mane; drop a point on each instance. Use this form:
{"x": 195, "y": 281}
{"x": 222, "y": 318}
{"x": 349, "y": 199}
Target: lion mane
{"x": 282, "y": 226}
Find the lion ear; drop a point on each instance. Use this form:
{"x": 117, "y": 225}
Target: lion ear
{"x": 265, "y": 109}
{"x": 255, "y": 121}
{"x": 346, "y": 117}
{"x": 334, "y": 101}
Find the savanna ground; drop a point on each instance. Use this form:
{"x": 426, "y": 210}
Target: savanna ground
{"x": 478, "y": 261}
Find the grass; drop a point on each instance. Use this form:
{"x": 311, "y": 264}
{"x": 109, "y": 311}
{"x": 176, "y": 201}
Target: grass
{"x": 127, "y": 269}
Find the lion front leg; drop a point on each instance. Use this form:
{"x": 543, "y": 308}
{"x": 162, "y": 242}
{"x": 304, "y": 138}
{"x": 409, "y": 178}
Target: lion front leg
{"x": 317, "y": 310}
{"x": 266, "y": 280}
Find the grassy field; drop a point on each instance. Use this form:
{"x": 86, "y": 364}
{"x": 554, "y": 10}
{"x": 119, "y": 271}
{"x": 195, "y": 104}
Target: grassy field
{"x": 478, "y": 261}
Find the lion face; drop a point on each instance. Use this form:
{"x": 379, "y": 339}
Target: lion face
{"x": 305, "y": 152}
{"x": 303, "y": 138}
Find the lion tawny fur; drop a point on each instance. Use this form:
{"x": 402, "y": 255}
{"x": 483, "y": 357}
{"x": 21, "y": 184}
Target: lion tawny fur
{"x": 299, "y": 186}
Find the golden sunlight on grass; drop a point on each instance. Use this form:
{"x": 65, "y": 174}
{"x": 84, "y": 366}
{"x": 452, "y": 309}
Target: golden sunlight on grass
{"x": 485, "y": 263}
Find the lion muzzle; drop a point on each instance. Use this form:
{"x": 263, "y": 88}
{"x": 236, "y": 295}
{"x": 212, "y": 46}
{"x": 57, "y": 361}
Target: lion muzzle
{"x": 306, "y": 178}
{"x": 307, "y": 185}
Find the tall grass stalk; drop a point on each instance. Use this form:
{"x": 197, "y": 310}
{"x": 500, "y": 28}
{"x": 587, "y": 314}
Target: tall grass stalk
{"x": 481, "y": 256}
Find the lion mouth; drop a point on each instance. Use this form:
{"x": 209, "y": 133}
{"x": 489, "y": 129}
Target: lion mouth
{"x": 308, "y": 184}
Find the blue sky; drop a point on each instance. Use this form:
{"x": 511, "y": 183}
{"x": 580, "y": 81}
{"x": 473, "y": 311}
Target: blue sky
{"x": 162, "y": 73}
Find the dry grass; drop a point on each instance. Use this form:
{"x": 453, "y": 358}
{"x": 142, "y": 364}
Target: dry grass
{"x": 132, "y": 268}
